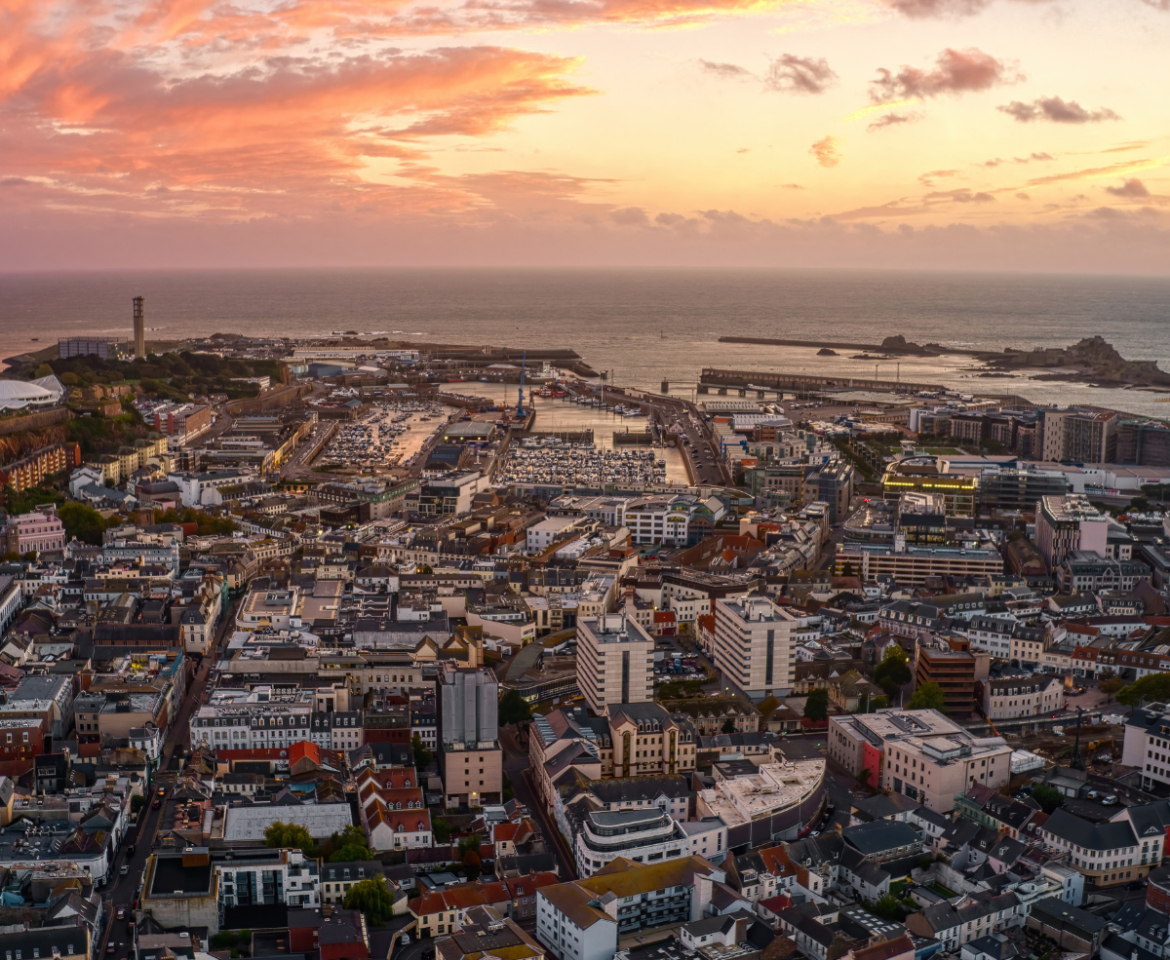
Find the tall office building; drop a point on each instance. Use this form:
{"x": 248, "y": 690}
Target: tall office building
{"x": 615, "y": 661}
{"x": 469, "y": 730}
{"x": 754, "y": 645}
{"x": 139, "y": 327}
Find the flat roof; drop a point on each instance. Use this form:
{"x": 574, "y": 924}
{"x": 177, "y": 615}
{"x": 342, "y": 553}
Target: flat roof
{"x": 321, "y": 820}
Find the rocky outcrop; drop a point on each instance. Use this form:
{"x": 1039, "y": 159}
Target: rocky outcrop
{"x": 826, "y": 352}
{"x": 1092, "y": 358}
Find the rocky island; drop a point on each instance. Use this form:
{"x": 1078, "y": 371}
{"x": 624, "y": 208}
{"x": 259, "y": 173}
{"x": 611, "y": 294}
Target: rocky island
{"x": 1091, "y": 360}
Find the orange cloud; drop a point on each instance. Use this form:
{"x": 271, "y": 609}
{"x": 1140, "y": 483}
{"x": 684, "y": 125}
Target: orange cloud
{"x": 827, "y": 150}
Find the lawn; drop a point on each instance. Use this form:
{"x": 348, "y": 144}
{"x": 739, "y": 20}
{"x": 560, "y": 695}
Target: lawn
{"x": 943, "y": 891}
{"x": 944, "y": 452}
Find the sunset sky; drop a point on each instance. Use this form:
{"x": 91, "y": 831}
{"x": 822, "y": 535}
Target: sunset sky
{"x": 984, "y": 134}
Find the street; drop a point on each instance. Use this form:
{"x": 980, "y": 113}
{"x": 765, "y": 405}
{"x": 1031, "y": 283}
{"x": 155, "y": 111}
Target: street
{"x": 125, "y": 889}
{"x": 516, "y": 767}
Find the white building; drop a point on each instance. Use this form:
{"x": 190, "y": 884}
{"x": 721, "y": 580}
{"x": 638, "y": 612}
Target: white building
{"x": 644, "y": 836}
{"x": 1013, "y": 697}
{"x": 252, "y": 720}
{"x": 202, "y": 489}
{"x": 615, "y": 661}
{"x": 541, "y": 536}
{"x": 755, "y": 645}
{"x": 583, "y": 919}
{"x": 1146, "y": 746}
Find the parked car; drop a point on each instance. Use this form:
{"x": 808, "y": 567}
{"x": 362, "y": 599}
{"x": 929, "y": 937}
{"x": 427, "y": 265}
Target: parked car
{"x": 121, "y": 914}
{"x": 125, "y": 869}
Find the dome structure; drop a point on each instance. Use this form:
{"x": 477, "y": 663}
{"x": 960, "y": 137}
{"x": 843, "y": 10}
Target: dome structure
{"x": 18, "y": 395}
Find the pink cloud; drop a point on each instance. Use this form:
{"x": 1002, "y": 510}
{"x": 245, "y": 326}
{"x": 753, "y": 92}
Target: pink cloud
{"x": 954, "y": 72}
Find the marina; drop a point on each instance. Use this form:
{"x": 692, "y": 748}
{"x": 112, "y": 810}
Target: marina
{"x": 388, "y": 436}
{"x": 548, "y": 460}
{"x": 559, "y": 415}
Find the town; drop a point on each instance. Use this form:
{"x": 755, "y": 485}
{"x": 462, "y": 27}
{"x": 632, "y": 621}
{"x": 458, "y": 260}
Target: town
{"x": 337, "y": 648}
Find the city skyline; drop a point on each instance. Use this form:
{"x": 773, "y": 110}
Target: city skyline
{"x": 889, "y": 133}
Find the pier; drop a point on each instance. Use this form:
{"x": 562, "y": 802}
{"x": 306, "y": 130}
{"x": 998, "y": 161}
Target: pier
{"x": 758, "y": 379}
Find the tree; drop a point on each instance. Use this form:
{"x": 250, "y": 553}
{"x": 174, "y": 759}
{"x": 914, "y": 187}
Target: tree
{"x": 893, "y": 673}
{"x": 371, "y": 897}
{"x": 422, "y": 755}
{"x": 928, "y": 697}
{"x": 82, "y": 522}
{"x": 1153, "y": 687}
{"x": 729, "y": 725}
{"x": 863, "y": 777}
{"x": 350, "y": 844}
{"x": 472, "y": 864}
{"x": 44, "y": 370}
{"x": 440, "y": 830}
{"x": 290, "y": 836}
{"x": 1110, "y": 686}
{"x": 514, "y": 709}
{"x": 847, "y": 569}
{"x": 816, "y": 706}
{"x": 888, "y": 908}
{"x": 1048, "y": 797}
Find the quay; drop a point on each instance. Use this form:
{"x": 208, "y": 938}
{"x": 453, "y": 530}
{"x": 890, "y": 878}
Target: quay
{"x": 758, "y": 379}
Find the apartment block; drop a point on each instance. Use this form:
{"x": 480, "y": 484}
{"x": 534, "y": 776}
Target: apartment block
{"x": 615, "y": 661}
{"x": 1065, "y": 524}
{"x": 584, "y": 919}
{"x": 755, "y": 645}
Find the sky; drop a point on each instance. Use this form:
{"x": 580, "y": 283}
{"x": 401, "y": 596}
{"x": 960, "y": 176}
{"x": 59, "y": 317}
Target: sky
{"x": 911, "y": 134}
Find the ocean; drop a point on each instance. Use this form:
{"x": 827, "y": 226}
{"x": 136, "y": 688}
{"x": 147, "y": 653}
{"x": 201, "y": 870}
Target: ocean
{"x": 643, "y": 326}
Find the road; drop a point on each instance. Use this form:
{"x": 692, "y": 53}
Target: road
{"x": 125, "y": 889}
{"x": 516, "y": 767}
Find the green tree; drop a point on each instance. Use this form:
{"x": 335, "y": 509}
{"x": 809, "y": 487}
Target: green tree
{"x": 83, "y": 522}
{"x": 1153, "y": 688}
{"x": 729, "y": 725}
{"x": 1110, "y": 686}
{"x": 422, "y": 753}
{"x": 44, "y": 370}
{"x": 514, "y": 708}
{"x": 816, "y": 705}
{"x": 863, "y": 776}
{"x": 371, "y": 897}
{"x": 1048, "y": 797}
{"x": 847, "y": 569}
{"x": 892, "y": 673}
{"x": 349, "y": 844}
{"x": 290, "y": 836}
{"x": 888, "y": 908}
{"x": 928, "y": 697}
